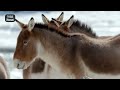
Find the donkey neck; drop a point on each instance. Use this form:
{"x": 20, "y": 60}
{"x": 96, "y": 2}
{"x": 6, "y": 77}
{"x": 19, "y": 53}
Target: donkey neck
{"x": 53, "y": 44}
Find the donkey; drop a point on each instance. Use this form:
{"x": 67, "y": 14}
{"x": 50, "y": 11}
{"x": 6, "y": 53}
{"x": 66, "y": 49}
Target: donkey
{"x": 72, "y": 55}
{"x": 4, "y": 73}
{"x": 82, "y": 26}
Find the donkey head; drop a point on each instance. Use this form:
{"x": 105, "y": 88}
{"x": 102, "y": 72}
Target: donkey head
{"x": 26, "y": 45}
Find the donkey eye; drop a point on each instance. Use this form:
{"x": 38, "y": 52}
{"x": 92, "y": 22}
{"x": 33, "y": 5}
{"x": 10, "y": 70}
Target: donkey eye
{"x": 25, "y": 42}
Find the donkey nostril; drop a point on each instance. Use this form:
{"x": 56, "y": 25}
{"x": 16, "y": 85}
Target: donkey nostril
{"x": 18, "y": 65}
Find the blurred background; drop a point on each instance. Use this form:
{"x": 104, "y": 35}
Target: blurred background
{"x": 104, "y": 23}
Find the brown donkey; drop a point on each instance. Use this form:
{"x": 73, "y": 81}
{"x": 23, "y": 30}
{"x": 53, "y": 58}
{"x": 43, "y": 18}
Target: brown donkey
{"x": 72, "y": 55}
{"x": 23, "y": 26}
{"x": 4, "y": 73}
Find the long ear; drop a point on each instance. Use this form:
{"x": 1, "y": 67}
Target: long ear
{"x": 70, "y": 21}
{"x": 56, "y": 22}
{"x": 20, "y": 23}
{"x": 31, "y": 24}
{"x": 45, "y": 20}
{"x": 60, "y": 18}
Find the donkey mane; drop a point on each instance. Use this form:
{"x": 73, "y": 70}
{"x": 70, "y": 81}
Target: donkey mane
{"x": 53, "y": 29}
{"x": 84, "y": 27}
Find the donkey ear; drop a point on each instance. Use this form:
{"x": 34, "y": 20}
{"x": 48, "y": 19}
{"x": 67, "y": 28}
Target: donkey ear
{"x": 60, "y": 18}
{"x": 70, "y": 21}
{"x": 20, "y": 23}
{"x": 56, "y": 22}
{"x": 45, "y": 20}
{"x": 31, "y": 24}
